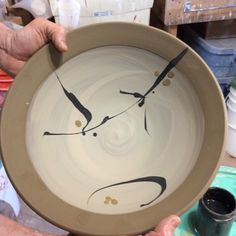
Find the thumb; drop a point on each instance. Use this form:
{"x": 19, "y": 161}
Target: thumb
{"x": 59, "y": 39}
{"x": 168, "y": 225}
{"x": 51, "y": 31}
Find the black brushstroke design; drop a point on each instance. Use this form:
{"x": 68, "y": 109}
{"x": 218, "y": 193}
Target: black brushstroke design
{"x": 77, "y": 104}
{"x": 136, "y": 95}
{"x": 167, "y": 69}
{"x": 163, "y": 74}
{"x": 104, "y": 120}
{"x": 140, "y": 102}
{"x": 145, "y": 122}
{"x": 155, "y": 179}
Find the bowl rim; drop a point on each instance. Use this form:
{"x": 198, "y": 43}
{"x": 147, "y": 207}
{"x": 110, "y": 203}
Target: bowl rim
{"x": 29, "y": 185}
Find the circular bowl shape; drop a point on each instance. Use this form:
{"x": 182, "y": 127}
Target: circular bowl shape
{"x": 115, "y": 134}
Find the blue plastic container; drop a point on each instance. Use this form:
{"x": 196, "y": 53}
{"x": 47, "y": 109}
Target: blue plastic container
{"x": 219, "y": 54}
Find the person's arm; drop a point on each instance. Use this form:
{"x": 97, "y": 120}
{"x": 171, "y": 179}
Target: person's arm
{"x": 12, "y": 228}
{"x": 16, "y": 47}
{"x": 5, "y": 35}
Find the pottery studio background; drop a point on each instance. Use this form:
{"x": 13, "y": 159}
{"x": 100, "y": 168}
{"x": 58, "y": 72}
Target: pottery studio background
{"x": 209, "y": 27}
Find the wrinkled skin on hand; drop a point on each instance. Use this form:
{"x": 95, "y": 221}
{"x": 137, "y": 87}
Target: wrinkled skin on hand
{"x": 16, "y": 47}
{"x": 166, "y": 227}
{"x": 12, "y": 228}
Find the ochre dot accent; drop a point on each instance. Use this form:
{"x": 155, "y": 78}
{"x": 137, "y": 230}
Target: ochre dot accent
{"x": 166, "y": 82}
{"x": 78, "y": 123}
{"x": 171, "y": 74}
{"x": 109, "y": 200}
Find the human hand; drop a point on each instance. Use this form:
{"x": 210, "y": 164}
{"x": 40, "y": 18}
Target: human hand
{"x": 12, "y": 228}
{"x": 166, "y": 227}
{"x": 16, "y": 47}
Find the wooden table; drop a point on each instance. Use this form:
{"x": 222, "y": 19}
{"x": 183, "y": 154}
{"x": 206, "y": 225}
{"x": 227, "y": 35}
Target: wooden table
{"x": 171, "y": 13}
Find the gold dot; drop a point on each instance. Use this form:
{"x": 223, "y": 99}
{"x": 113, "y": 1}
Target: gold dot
{"x": 78, "y": 123}
{"x": 114, "y": 202}
{"x": 106, "y": 202}
{"x": 166, "y": 82}
{"x": 108, "y": 198}
{"x": 156, "y": 73}
{"x": 171, "y": 74}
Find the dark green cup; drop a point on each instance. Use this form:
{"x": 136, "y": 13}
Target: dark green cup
{"x": 216, "y": 213}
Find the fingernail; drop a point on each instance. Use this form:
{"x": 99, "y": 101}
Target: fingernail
{"x": 63, "y": 45}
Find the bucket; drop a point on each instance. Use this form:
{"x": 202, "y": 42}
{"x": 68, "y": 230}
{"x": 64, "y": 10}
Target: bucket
{"x": 231, "y": 102}
{"x": 231, "y": 114}
{"x": 233, "y": 93}
{"x": 231, "y": 141}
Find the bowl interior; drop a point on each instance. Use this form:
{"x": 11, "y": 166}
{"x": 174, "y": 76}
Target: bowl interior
{"x": 130, "y": 161}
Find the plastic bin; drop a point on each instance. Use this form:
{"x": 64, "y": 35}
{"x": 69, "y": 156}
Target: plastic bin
{"x": 219, "y": 54}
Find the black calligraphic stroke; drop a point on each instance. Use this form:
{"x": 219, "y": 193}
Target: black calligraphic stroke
{"x": 163, "y": 74}
{"x": 136, "y": 95}
{"x": 77, "y": 104}
{"x": 155, "y": 179}
{"x": 145, "y": 122}
{"x": 104, "y": 120}
{"x": 167, "y": 69}
{"x": 140, "y": 102}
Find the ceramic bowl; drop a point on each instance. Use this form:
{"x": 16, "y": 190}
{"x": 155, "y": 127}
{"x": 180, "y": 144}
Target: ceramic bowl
{"x": 115, "y": 134}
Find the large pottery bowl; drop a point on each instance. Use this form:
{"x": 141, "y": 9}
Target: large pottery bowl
{"x": 124, "y": 129}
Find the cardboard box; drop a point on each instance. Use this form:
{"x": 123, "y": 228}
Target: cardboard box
{"x": 95, "y": 11}
{"x": 98, "y": 8}
{"x": 141, "y": 17}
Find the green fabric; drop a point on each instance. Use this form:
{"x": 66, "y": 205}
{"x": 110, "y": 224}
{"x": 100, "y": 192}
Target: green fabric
{"x": 225, "y": 178}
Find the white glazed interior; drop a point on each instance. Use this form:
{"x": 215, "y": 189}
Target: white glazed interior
{"x": 123, "y": 149}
